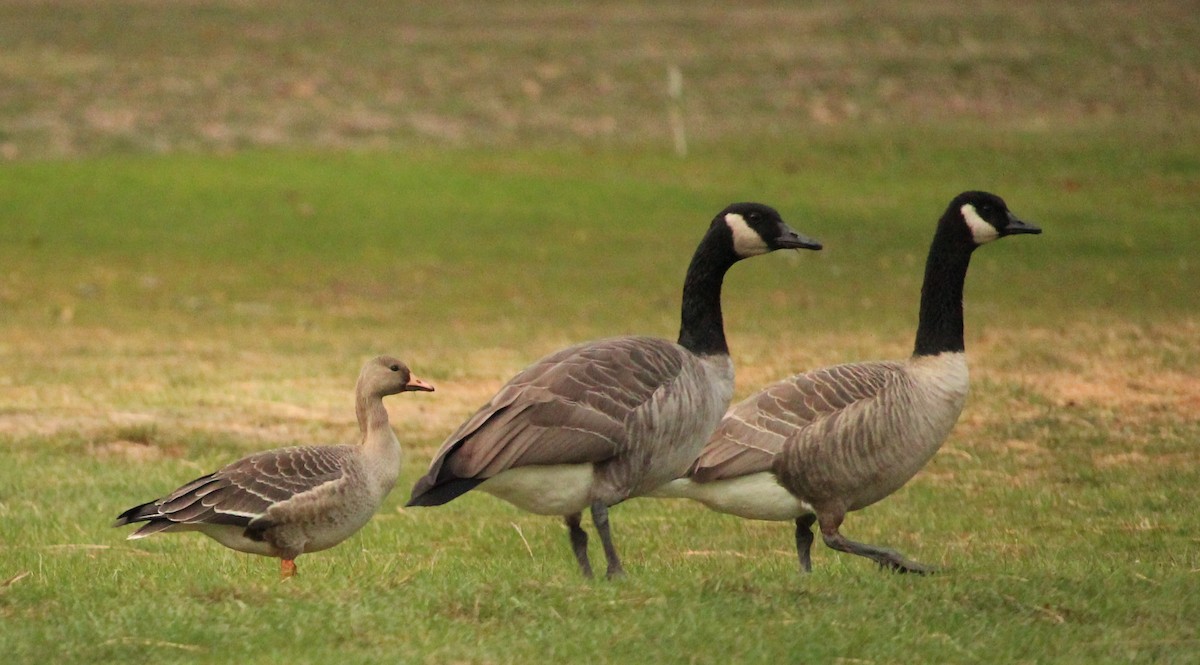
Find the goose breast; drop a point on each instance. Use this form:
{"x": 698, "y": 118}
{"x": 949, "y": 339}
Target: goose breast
{"x": 866, "y": 451}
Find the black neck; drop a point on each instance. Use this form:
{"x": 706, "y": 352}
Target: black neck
{"x": 702, "y": 330}
{"x": 941, "y": 321}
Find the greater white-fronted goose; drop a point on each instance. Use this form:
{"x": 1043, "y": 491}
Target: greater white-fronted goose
{"x": 820, "y": 444}
{"x": 291, "y": 501}
{"x": 595, "y": 424}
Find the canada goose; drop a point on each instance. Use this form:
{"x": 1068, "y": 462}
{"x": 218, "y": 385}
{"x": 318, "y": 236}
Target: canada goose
{"x": 597, "y": 423}
{"x": 820, "y": 444}
{"x": 290, "y": 501}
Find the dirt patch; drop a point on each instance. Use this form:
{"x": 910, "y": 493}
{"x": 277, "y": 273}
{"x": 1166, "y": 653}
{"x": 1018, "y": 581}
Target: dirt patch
{"x": 1124, "y": 388}
{"x": 1141, "y": 459}
{"x": 134, "y": 451}
{"x": 1141, "y": 373}
{"x": 1120, "y": 459}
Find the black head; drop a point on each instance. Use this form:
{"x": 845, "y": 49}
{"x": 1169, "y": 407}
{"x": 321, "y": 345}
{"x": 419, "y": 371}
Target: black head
{"x": 386, "y": 375}
{"x": 757, "y": 229}
{"x": 985, "y": 217}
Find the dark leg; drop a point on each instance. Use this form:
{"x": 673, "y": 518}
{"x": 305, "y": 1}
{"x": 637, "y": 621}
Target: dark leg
{"x": 579, "y": 540}
{"x": 884, "y": 557}
{"x": 600, "y": 517}
{"x": 804, "y": 541}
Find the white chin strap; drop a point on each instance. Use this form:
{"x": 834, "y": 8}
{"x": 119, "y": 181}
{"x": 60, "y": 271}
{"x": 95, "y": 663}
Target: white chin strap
{"x": 981, "y": 231}
{"x": 746, "y": 241}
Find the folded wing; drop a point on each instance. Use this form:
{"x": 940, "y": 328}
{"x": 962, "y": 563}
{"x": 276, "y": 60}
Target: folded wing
{"x": 754, "y": 430}
{"x": 568, "y": 408}
{"x": 244, "y": 492}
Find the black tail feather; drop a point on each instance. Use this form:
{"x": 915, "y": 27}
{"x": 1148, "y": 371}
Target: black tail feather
{"x": 138, "y": 513}
{"x": 425, "y": 493}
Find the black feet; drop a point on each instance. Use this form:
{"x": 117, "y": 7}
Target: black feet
{"x": 887, "y": 559}
{"x": 579, "y": 543}
{"x": 893, "y": 561}
{"x": 600, "y": 518}
{"x": 804, "y": 541}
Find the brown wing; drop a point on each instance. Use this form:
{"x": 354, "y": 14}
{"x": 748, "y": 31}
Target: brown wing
{"x": 244, "y": 491}
{"x": 567, "y": 408}
{"x": 754, "y": 430}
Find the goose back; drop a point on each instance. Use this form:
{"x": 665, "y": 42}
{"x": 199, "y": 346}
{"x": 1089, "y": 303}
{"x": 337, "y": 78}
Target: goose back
{"x": 755, "y": 429}
{"x": 617, "y": 404}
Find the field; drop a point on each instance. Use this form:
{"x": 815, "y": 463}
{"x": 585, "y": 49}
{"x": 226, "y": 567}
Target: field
{"x": 211, "y": 213}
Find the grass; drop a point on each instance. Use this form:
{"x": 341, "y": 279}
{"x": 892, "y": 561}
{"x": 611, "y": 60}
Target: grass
{"x": 130, "y": 77}
{"x": 173, "y": 296}
{"x": 1071, "y": 532}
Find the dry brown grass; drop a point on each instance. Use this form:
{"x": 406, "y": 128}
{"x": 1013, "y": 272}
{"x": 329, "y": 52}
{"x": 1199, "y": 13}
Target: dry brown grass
{"x": 126, "y": 408}
{"x": 83, "y": 77}
{"x": 1137, "y": 373}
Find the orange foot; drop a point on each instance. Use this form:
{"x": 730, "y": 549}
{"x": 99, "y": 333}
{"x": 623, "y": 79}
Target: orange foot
{"x": 287, "y": 568}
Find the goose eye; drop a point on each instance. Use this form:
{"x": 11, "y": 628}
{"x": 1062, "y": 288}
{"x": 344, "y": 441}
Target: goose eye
{"x": 754, "y": 217}
{"x": 395, "y": 368}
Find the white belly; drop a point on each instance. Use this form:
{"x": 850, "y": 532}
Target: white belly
{"x": 231, "y": 537}
{"x": 314, "y": 536}
{"x": 326, "y": 536}
{"x": 757, "y": 496}
{"x": 557, "y": 489}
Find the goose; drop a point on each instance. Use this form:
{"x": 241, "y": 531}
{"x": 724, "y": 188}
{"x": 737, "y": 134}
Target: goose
{"x": 597, "y": 423}
{"x": 819, "y": 444}
{"x": 290, "y": 501}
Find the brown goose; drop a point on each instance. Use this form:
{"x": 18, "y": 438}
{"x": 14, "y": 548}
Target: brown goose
{"x": 290, "y": 501}
{"x": 595, "y": 424}
{"x": 820, "y": 444}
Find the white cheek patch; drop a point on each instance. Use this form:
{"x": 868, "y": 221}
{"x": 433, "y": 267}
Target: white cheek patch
{"x": 981, "y": 231}
{"x": 746, "y": 241}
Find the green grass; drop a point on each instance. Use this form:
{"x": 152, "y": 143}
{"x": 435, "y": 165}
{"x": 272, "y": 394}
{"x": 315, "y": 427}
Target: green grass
{"x": 198, "y": 248}
{"x": 212, "y": 313}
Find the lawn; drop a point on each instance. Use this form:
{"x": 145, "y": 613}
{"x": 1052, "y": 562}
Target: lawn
{"x": 204, "y": 233}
